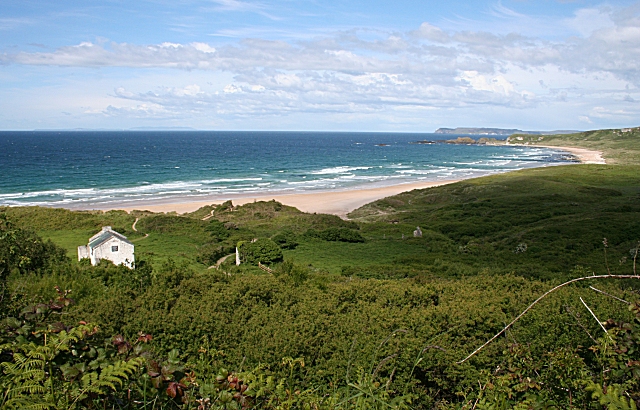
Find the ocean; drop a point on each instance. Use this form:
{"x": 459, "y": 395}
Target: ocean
{"x": 101, "y": 169}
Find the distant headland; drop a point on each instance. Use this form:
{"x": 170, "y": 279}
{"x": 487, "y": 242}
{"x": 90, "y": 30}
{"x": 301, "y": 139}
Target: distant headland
{"x": 498, "y": 131}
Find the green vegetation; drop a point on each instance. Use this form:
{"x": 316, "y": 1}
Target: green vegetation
{"x": 356, "y": 314}
{"x": 263, "y": 251}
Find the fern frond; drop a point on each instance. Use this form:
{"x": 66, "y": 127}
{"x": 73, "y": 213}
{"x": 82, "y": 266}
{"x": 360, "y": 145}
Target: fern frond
{"x": 22, "y": 365}
{"x": 29, "y": 402}
{"x": 111, "y": 377}
{"x": 28, "y": 388}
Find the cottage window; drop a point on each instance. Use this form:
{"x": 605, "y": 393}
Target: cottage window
{"x": 114, "y": 248}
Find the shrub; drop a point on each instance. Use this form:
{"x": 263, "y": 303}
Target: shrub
{"x": 293, "y": 272}
{"x": 336, "y": 235}
{"x": 286, "y": 240}
{"x": 263, "y": 250}
{"x": 217, "y": 229}
{"x": 24, "y": 250}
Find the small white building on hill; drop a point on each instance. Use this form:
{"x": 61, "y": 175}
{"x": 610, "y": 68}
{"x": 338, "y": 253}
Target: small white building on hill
{"x": 108, "y": 244}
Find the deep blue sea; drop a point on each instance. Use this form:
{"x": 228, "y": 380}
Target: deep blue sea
{"x": 99, "y": 168}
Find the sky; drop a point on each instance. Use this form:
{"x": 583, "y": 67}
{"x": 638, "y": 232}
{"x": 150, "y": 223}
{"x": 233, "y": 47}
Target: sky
{"x": 311, "y": 65}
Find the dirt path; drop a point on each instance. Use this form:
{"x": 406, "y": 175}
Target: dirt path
{"x": 146, "y": 235}
{"x": 221, "y": 261}
{"x": 208, "y": 216}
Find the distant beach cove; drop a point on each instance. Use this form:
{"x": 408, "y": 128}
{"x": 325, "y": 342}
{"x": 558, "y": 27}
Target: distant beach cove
{"x": 181, "y": 171}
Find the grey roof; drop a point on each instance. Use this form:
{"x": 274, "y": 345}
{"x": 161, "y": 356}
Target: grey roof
{"x": 104, "y": 236}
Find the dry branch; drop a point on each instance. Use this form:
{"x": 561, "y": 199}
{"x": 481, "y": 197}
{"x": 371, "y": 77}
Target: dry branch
{"x": 607, "y": 294}
{"x": 595, "y": 317}
{"x": 538, "y": 300}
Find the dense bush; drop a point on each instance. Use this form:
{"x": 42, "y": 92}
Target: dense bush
{"x": 263, "y": 250}
{"x": 285, "y": 239}
{"x": 24, "y": 251}
{"x": 217, "y": 229}
{"x": 336, "y": 235}
{"x": 293, "y": 272}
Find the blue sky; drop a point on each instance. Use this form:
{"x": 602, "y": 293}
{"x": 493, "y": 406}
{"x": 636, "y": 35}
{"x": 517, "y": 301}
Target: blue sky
{"x": 319, "y": 65}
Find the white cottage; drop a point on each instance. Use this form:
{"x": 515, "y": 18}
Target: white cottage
{"x": 108, "y": 244}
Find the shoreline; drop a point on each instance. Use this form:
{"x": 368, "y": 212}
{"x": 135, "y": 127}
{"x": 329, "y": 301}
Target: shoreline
{"x": 586, "y": 156}
{"x": 338, "y": 203}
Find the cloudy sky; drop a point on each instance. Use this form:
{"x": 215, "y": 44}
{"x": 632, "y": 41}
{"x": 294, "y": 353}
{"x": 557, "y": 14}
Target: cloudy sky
{"x": 358, "y": 65}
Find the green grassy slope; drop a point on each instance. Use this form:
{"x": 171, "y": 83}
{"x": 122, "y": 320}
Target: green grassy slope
{"x": 561, "y": 214}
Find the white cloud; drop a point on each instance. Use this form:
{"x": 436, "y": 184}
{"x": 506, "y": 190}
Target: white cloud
{"x": 232, "y": 89}
{"x": 204, "y": 47}
{"x": 586, "y": 21}
{"x": 431, "y": 33}
{"x": 362, "y": 72}
{"x": 139, "y": 111}
{"x": 12, "y": 23}
{"x": 497, "y": 84}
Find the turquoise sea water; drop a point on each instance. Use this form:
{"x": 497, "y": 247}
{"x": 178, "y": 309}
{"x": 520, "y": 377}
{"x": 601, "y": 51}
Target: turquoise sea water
{"x": 99, "y": 169}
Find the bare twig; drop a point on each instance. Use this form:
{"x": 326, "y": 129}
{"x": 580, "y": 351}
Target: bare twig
{"x": 383, "y": 362}
{"x": 432, "y": 347}
{"x": 595, "y": 317}
{"x": 579, "y": 323}
{"x": 605, "y": 293}
{"x": 635, "y": 257}
{"x": 606, "y": 260}
{"x": 538, "y": 300}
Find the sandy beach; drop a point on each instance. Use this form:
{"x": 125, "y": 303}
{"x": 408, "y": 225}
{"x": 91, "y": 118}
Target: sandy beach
{"x": 330, "y": 202}
{"x": 586, "y": 156}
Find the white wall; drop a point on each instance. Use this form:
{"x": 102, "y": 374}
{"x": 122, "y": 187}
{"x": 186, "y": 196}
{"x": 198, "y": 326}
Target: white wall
{"x": 124, "y": 255}
{"x": 83, "y": 252}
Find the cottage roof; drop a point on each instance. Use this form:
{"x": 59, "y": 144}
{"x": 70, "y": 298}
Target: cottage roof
{"x": 104, "y": 235}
